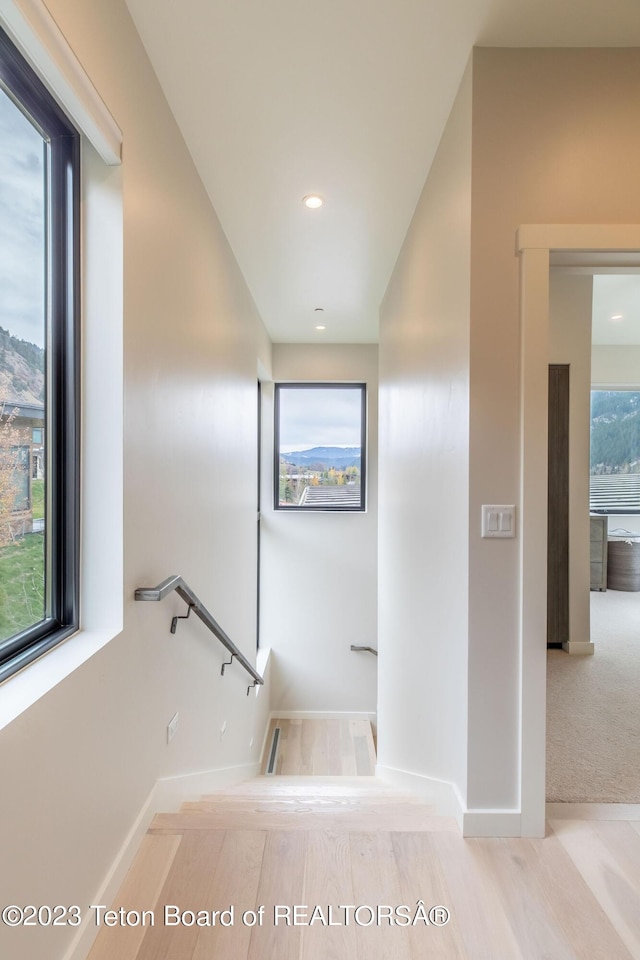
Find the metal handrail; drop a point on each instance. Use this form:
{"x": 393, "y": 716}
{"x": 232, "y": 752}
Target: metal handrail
{"x": 365, "y": 649}
{"x": 194, "y": 603}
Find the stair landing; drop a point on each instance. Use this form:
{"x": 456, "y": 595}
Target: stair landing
{"x": 320, "y": 748}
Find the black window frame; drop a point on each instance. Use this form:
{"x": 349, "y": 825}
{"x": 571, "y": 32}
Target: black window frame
{"x": 320, "y": 508}
{"x": 62, "y": 378}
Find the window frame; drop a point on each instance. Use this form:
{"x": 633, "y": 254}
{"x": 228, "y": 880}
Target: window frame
{"x": 62, "y": 366}
{"x": 334, "y": 508}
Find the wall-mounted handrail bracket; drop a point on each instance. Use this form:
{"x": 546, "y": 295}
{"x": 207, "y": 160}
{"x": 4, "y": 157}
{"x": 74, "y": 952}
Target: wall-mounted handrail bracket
{"x": 184, "y": 590}
{"x": 174, "y": 620}
{"x": 364, "y": 650}
{"x": 227, "y": 663}
{"x": 251, "y": 686}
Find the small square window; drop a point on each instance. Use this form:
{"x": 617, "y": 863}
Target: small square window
{"x": 320, "y": 450}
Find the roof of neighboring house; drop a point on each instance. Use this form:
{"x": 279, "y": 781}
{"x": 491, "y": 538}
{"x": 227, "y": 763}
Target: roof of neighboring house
{"x": 344, "y": 495}
{"x": 24, "y": 411}
{"x": 615, "y": 493}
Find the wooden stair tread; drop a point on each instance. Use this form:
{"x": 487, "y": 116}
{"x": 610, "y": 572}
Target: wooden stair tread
{"x": 308, "y": 786}
{"x": 407, "y": 817}
{"x": 303, "y": 804}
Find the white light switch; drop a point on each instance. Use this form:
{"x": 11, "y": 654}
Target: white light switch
{"x": 498, "y": 520}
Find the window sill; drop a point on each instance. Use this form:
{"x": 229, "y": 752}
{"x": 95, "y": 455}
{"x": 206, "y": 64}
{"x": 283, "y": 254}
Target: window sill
{"x": 36, "y": 680}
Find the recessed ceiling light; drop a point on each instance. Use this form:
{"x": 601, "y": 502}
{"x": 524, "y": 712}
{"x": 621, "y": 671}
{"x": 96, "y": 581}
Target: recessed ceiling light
{"x": 313, "y": 201}
{"x": 320, "y": 326}
{"x": 617, "y": 316}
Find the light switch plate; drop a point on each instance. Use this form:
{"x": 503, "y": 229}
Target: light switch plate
{"x": 499, "y": 520}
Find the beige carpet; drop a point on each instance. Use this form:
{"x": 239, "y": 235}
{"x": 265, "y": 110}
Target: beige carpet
{"x": 593, "y": 709}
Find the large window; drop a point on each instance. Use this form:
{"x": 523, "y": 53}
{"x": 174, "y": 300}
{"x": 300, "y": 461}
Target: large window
{"x": 320, "y": 456}
{"x": 39, "y": 366}
{"x": 615, "y": 452}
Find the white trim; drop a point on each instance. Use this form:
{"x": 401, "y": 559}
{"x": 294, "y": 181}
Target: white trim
{"x": 88, "y": 931}
{"x": 534, "y": 243}
{"x": 614, "y": 386}
{"x": 322, "y": 715}
{"x": 36, "y": 34}
{"x": 448, "y": 802}
{"x": 593, "y": 811}
{"x": 492, "y": 823}
{"x": 171, "y": 792}
{"x": 620, "y": 237}
{"x": 167, "y": 796}
{"x": 580, "y": 647}
{"x": 25, "y": 688}
{"x": 534, "y": 301}
{"x": 442, "y": 794}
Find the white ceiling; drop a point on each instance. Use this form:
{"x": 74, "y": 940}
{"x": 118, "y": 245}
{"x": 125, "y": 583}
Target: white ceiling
{"x": 346, "y": 98}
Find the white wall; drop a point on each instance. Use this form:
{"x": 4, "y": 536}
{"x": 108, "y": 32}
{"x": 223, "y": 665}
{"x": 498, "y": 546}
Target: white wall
{"x": 615, "y": 367}
{"x": 546, "y": 124}
{"x": 319, "y": 570}
{"x": 423, "y": 541}
{"x": 570, "y": 305}
{"x": 78, "y": 766}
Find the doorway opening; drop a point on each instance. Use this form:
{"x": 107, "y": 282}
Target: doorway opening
{"x": 538, "y": 247}
{"x": 593, "y": 721}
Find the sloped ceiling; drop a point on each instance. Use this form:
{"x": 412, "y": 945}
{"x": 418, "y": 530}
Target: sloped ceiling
{"x": 345, "y": 98}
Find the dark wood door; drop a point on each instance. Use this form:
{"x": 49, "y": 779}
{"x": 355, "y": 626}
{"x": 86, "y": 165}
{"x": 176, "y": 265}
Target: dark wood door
{"x": 558, "y": 507}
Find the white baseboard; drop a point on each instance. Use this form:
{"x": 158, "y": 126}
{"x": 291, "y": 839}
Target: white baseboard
{"x": 593, "y": 811}
{"x": 166, "y": 797}
{"x": 580, "y": 647}
{"x": 443, "y": 795}
{"x": 88, "y": 931}
{"x": 492, "y": 823}
{"x": 171, "y": 792}
{"x": 448, "y": 802}
{"x": 323, "y": 715}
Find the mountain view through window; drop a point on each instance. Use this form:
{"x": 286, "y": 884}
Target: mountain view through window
{"x": 320, "y": 433}
{"x": 615, "y": 451}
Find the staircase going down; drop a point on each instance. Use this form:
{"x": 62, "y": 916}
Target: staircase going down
{"x": 288, "y": 866}
{"x": 309, "y": 865}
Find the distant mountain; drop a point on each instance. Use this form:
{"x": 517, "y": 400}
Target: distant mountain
{"x": 615, "y": 431}
{"x": 323, "y": 458}
{"x": 21, "y": 370}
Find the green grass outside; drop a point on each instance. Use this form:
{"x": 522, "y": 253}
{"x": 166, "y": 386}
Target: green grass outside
{"x": 21, "y": 584}
{"x": 37, "y": 499}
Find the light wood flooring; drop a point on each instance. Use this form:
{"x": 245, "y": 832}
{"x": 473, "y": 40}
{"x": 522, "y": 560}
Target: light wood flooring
{"x": 322, "y": 748}
{"x": 283, "y": 840}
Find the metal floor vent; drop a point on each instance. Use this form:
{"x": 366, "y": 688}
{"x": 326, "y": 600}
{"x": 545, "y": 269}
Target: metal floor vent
{"x": 273, "y": 753}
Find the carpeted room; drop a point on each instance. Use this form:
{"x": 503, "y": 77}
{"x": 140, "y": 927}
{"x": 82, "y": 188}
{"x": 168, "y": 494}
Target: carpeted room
{"x": 593, "y": 709}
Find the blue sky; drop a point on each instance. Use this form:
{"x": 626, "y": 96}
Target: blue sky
{"x": 21, "y": 225}
{"x": 326, "y": 417}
